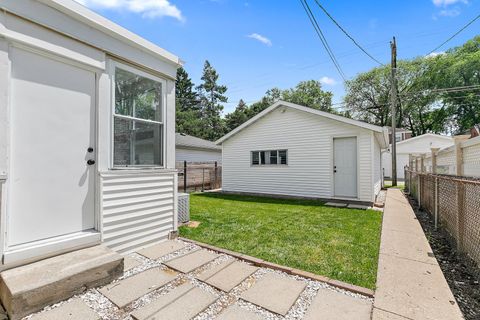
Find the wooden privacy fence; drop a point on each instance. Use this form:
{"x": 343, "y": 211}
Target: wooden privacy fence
{"x": 439, "y": 184}
{"x": 198, "y": 176}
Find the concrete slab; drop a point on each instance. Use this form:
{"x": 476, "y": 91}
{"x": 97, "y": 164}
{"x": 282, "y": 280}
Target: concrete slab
{"x": 378, "y": 314}
{"x": 162, "y": 249}
{"x": 128, "y": 290}
{"x": 184, "y": 308}
{"x": 231, "y": 276}
{"x": 236, "y": 313}
{"x": 332, "y": 305}
{"x": 336, "y": 204}
{"x": 358, "y": 206}
{"x": 204, "y": 275}
{"x": 130, "y": 263}
{"x": 191, "y": 261}
{"x": 410, "y": 284}
{"x": 162, "y": 301}
{"x": 72, "y": 310}
{"x": 275, "y": 293}
{"x": 30, "y": 288}
{"x": 408, "y": 246}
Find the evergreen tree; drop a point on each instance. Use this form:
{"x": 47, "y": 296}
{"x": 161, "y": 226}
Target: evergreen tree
{"x": 237, "y": 117}
{"x": 188, "y": 118}
{"x": 211, "y": 96}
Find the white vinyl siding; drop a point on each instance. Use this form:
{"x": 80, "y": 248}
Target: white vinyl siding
{"x": 197, "y": 155}
{"x": 137, "y": 209}
{"x": 309, "y": 141}
{"x": 377, "y": 167}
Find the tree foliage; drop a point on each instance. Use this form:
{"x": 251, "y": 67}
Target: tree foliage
{"x": 424, "y": 105}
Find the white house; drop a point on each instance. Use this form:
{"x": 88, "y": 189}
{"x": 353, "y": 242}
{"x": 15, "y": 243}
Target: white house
{"x": 297, "y": 151}
{"x": 416, "y": 145}
{"x": 87, "y": 133}
{"x": 193, "y": 149}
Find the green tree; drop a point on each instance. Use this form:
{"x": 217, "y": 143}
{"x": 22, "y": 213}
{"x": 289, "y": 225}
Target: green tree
{"x": 237, "y": 117}
{"x": 211, "y": 96}
{"x": 309, "y": 94}
{"x": 188, "y": 118}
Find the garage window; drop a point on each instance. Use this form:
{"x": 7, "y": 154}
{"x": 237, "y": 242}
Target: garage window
{"x": 270, "y": 157}
{"x": 138, "y": 119}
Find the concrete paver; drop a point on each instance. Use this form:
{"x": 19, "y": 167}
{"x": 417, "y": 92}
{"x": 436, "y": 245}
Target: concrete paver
{"x": 275, "y": 293}
{"x": 332, "y": 305}
{"x": 129, "y": 263}
{"x": 191, "y": 261}
{"x": 128, "y": 290}
{"x": 162, "y": 301}
{"x": 205, "y": 274}
{"x": 72, "y": 310}
{"x": 162, "y": 249}
{"x": 410, "y": 283}
{"x": 357, "y": 206}
{"x": 185, "y": 307}
{"x": 231, "y": 276}
{"x": 234, "y": 312}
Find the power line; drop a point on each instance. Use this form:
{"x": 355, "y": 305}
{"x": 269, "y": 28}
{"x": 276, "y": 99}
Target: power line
{"x": 347, "y": 34}
{"x": 324, "y": 41}
{"x": 455, "y": 34}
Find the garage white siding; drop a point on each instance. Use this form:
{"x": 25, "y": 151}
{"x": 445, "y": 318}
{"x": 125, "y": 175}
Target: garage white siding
{"x": 309, "y": 141}
{"x": 197, "y": 155}
{"x": 137, "y": 209}
{"x": 377, "y": 167}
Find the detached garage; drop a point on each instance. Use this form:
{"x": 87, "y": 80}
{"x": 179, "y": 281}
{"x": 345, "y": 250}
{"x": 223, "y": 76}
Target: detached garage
{"x": 292, "y": 150}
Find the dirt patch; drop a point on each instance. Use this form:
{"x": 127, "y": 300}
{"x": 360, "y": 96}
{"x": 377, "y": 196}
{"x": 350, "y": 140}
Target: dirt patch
{"x": 462, "y": 274}
{"x": 193, "y": 224}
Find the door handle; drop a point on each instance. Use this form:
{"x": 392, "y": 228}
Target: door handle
{"x": 90, "y": 162}
{"x": 334, "y": 171}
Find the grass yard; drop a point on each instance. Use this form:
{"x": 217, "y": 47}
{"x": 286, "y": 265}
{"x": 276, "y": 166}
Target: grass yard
{"x": 339, "y": 243}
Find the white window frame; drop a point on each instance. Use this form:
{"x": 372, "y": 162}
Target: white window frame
{"x": 268, "y": 164}
{"x": 113, "y": 66}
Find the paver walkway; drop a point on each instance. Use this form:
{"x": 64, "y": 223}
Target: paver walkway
{"x": 410, "y": 283}
{"x": 180, "y": 281}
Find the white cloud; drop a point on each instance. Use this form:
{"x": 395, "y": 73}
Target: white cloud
{"x": 450, "y": 12}
{"x": 147, "y": 8}
{"x": 260, "y": 38}
{"x": 434, "y": 54}
{"x": 328, "y": 81}
{"x": 444, "y": 3}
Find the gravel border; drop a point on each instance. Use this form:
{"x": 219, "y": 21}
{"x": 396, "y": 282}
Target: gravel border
{"x": 462, "y": 274}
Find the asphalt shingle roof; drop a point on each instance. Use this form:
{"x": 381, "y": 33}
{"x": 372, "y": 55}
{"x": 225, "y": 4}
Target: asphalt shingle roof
{"x": 186, "y": 141}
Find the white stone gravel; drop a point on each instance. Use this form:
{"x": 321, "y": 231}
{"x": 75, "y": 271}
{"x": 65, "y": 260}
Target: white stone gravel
{"x": 108, "y": 311}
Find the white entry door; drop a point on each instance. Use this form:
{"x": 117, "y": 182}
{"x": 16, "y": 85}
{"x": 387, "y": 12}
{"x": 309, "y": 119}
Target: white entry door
{"x": 345, "y": 167}
{"x": 51, "y": 185}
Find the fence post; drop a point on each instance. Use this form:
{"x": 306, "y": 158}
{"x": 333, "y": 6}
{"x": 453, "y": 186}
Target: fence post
{"x": 460, "y": 193}
{"x": 203, "y": 179}
{"x": 434, "y": 159}
{"x": 185, "y": 176}
{"x": 434, "y": 171}
{"x": 436, "y": 203}
{"x": 216, "y": 170}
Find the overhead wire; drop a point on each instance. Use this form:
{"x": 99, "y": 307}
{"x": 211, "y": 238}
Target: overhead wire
{"x": 346, "y": 33}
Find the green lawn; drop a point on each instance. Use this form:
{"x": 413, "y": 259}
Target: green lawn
{"x": 388, "y": 184}
{"x": 338, "y": 243}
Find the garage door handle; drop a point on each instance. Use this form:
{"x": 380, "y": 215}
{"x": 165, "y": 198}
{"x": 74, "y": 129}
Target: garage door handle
{"x": 91, "y": 162}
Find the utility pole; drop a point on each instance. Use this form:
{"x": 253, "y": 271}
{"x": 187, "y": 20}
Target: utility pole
{"x": 393, "y": 47}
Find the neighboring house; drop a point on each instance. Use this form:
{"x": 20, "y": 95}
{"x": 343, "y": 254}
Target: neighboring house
{"x": 297, "y": 151}
{"x": 87, "y": 133}
{"x": 400, "y": 134}
{"x": 416, "y": 145}
{"x": 193, "y": 149}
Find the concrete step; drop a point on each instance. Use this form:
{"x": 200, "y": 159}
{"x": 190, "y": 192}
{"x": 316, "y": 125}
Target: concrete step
{"x": 30, "y": 288}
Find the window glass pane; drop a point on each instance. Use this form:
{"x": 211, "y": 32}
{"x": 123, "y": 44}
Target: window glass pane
{"x": 262, "y": 157}
{"x": 255, "y": 158}
{"x": 273, "y": 157}
{"x": 282, "y": 154}
{"x": 137, "y": 143}
{"x": 137, "y": 96}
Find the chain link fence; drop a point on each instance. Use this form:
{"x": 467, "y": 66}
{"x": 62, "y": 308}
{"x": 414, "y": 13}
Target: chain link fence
{"x": 454, "y": 203}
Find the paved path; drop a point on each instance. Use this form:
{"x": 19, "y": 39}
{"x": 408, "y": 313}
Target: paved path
{"x": 179, "y": 281}
{"x": 410, "y": 283}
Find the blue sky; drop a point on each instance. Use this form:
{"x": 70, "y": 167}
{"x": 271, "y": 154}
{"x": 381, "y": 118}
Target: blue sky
{"x": 258, "y": 44}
